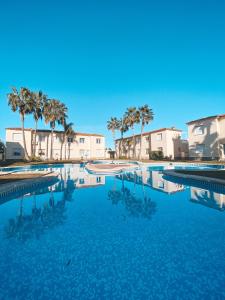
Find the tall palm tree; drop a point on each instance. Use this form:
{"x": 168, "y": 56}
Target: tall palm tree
{"x": 54, "y": 111}
{"x": 122, "y": 128}
{"x": 129, "y": 144}
{"x": 132, "y": 117}
{"x": 70, "y": 134}
{"x": 113, "y": 125}
{"x": 22, "y": 102}
{"x": 146, "y": 116}
{"x": 39, "y": 102}
{"x": 67, "y": 132}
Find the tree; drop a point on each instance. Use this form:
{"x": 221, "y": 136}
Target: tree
{"x": 128, "y": 145}
{"x": 67, "y": 133}
{"x": 54, "y": 112}
{"x": 113, "y": 125}
{"x": 22, "y": 102}
{"x": 132, "y": 117}
{"x": 39, "y": 100}
{"x": 146, "y": 116}
{"x": 70, "y": 134}
{"x": 122, "y": 128}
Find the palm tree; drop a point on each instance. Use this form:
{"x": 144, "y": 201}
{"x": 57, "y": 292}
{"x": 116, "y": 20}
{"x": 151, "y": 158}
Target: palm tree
{"x": 54, "y": 112}
{"x": 67, "y": 132}
{"x": 22, "y": 102}
{"x": 122, "y": 128}
{"x": 146, "y": 116}
{"x": 39, "y": 102}
{"x": 70, "y": 134}
{"x": 132, "y": 117}
{"x": 128, "y": 144}
{"x": 113, "y": 125}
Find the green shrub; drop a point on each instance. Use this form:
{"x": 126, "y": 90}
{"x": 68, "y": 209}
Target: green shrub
{"x": 156, "y": 155}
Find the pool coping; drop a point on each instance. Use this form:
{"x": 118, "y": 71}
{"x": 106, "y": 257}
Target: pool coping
{"x": 24, "y": 184}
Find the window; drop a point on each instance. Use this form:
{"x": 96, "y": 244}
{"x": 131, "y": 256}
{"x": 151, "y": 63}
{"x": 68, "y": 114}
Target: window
{"x": 98, "y": 179}
{"x": 147, "y": 151}
{"x": 82, "y": 140}
{"x": 98, "y": 141}
{"x": 159, "y": 137}
{"x": 200, "y": 148}
{"x": 69, "y": 140}
{"x": 199, "y": 130}
{"x": 17, "y": 137}
{"x": 138, "y": 140}
{"x": 81, "y": 181}
{"x": 41, "y": 138}
{"x": 147, "y": 138}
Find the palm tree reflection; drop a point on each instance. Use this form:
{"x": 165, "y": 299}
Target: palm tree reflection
{"x": 49, "y": 216}
{"x": 136, "y": 205}
{"x": 24, "y": 227}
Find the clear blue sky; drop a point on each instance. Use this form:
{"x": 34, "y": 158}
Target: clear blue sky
{"x": 100, "y": 57}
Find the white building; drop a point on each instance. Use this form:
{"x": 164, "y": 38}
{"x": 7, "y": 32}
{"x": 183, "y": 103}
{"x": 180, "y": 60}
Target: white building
{"x": 206, "y": 137}
{"x": 82, "y": 145}
{"x": 168, "y": 141}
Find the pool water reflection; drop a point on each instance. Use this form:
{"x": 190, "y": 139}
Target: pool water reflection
{"x": 132, "y": 236}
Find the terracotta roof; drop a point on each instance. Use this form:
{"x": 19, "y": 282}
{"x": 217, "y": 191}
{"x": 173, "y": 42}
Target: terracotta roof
{"x": 18, "y": 128}
{"x": 56, "y": 131}
{"x": 151, "y": 132}
{"x": 89, "y": 134}
{"x": 207, "y": 118}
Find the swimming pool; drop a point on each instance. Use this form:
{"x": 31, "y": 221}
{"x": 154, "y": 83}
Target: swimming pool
{"x": 130, "y": 236}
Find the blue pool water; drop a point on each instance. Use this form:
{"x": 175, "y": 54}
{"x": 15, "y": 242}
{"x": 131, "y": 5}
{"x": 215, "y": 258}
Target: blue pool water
{"x": 132, "y": 236}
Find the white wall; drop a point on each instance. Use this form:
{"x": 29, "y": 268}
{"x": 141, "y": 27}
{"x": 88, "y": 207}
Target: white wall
{"x": 91, "y": 148}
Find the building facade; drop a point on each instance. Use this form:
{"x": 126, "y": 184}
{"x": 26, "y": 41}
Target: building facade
{"x": 206, "y": 138}
{"x": 81, "y": 145}
{"x": 167, "y": 141}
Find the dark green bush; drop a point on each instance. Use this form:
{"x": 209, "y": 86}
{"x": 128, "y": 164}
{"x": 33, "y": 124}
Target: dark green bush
{"x": 156, "y": 155}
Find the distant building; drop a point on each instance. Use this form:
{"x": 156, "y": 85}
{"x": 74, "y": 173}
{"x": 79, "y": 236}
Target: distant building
{"x": 206, "y": 138}
{"x": 82, "y": 145}
{"x": 167, "y": 141}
